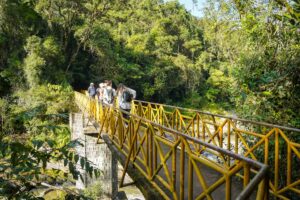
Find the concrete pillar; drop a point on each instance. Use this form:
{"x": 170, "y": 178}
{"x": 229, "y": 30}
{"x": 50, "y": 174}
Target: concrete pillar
{"x": 99, "y": 154}
{"x": 114, "y": 177}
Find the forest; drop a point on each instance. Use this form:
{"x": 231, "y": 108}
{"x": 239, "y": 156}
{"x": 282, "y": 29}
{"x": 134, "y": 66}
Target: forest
{"x": 241, "y": 58}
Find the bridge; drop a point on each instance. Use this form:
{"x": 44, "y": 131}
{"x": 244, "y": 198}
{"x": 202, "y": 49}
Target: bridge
{"x": 188, "y": 154}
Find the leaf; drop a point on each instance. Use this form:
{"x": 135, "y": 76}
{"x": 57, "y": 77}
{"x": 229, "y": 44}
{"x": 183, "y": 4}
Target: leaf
{"x": 65, "y": 162}
{"x": 82, "y": 162}
{"x": 71, "y": 155}
{"x": 37, "y": 143}
{"x": 81, "y": 177}
{"x": 267, "y": 93}
{"x": 87, "y": 165}
{"x": 44, "y": 163}
{"x": 71, "y": 168}
{"x": 76, "y": 158}
{"x": 51, "y": 143}
{"x": 75, "y": 175}
{"x": 90, "y": 170}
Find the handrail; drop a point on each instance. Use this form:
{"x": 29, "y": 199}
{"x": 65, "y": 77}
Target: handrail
{"x": 257, "y": 140}
{"x": 131, "y": 139}
{"x": 224, "y": 116}
{"x": 261, "y": 174}
{"x": 254, "y": 163}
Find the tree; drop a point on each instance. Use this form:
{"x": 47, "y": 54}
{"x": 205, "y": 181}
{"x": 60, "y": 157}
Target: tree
{"x": 34, "y": 135}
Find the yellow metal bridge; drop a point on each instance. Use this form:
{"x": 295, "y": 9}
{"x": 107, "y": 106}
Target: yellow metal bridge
{"x": 189, "y": 154}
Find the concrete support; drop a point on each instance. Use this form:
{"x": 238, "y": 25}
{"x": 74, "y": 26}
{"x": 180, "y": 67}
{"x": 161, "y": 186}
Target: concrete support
{"x": 114, "y": 177}
{"x": 99, "y": 154}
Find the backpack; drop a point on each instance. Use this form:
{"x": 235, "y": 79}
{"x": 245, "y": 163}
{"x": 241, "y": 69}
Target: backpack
{"x": 127, "y": 96}
{"x": 110, "y": 95}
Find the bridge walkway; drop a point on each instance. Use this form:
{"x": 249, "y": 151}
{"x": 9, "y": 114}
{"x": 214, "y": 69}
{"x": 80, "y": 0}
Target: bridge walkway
{"x": 274, "y": 145}
{"x": 211, "y": 176}
{"x": 170, "y": 161}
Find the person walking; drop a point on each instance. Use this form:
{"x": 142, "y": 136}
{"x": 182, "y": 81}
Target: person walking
{"x": 125, "y": 96}
{"x": 92, "y": 91}
{"x": 100, "y": 92}
{"x": 109, "y": 94}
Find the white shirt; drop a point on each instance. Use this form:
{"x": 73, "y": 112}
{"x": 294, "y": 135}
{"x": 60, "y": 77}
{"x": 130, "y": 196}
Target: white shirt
{"x": 122, "y": 103}
{"x": 106, "y": 98}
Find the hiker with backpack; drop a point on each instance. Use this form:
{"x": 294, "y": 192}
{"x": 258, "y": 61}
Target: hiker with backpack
{"x": 125, "y": 96}
{"x": 109, "y": 93}
{"x": 100, "y": 92}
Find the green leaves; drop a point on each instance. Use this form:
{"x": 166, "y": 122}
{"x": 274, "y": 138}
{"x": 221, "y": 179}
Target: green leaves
{"x": 37, "y": 143}
{"x": 43, "y": 56}
{"x": 66, "y": 161}
{"x": 82, "y": 162}
{"x": 27, "y": 162}
{"x": 31, "y": 157}
{"x": 76, "y": 158}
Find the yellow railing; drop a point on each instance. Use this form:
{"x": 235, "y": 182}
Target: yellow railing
{"x": 170, "y": 159}
{"x": 273, "y": 145}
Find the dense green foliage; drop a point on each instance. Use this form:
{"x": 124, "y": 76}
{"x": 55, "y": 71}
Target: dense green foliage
{"x": 34, "y": 138}
{"x": 258, "y": 47}
{"x": 241, "y": 56}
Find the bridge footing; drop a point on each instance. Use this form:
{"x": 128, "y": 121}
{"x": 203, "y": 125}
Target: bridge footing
{"x": 103, "y": 158}
{"x": 98, "y": 154}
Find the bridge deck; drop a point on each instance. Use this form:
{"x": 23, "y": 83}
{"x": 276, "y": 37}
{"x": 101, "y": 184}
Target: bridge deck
{"x": 175, "y": 164}
{"x": 210, "y": 175}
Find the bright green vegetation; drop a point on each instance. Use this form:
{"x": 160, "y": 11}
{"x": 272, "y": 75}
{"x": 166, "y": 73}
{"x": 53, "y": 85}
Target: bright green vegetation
{"x": 242, "y": 57}
{"x": 34, "y": 138}
{"x": 94, "y": 191}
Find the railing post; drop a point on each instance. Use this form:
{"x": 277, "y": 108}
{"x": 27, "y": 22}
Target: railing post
{"x": 149, "y": 112}
{"x": 228, "y": 140}
{"x": 182, "y": 164}
{"x": 193, "y": 127}
{"x": 90, "y": 107}
{"x": 177, "y": 120}
{"x": 162, "y": 115}
{"x": 97, "y": 111}
{"x": 246, "y": 174}
{"x": 263, "y": 189}
{"x": 151, "y": 142}
{"x": 155, "y": 154}
{"x": 191, "y": 181}
{"x": 221, "y": 137}
{"x": 203, "y": 130}
{"x": 228, "y": 187}
{"x": 173, "y": 119}
{"x": 112, "y": 121}
{"x": 120, "y": 128}
{"x": 174, "y": 169}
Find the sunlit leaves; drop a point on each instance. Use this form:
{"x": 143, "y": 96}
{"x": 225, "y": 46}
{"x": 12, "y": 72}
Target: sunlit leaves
{"x": 29, "y": 157}
{"x": 33, "y": 63}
